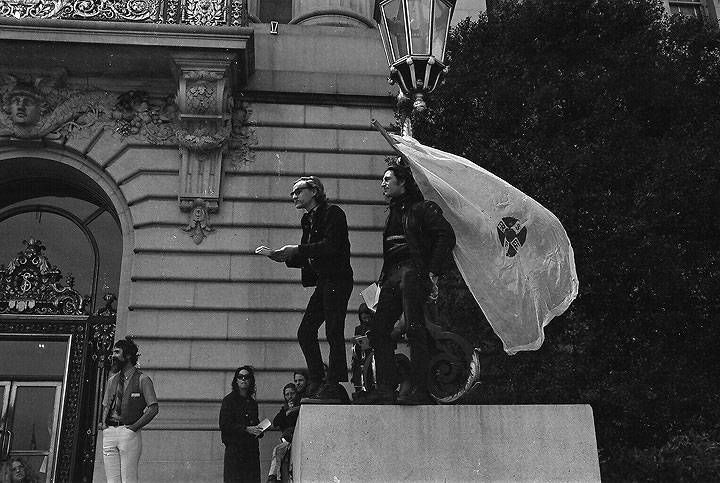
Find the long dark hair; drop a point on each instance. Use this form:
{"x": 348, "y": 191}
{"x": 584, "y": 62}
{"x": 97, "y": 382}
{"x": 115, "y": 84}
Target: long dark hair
{"x": 251, "y": 389}
{"x": 404, "y": 175}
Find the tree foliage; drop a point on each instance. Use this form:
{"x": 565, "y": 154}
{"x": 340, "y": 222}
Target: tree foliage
{"x": 608, "y": 113}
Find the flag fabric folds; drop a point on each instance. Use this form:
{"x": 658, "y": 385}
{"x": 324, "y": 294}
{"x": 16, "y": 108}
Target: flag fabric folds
{"x": 512, "y": 252}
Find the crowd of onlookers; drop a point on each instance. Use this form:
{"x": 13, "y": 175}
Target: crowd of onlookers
{"x": 241, "y": 428}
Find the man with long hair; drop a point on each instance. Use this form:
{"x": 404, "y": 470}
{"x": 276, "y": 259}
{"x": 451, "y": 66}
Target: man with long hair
{"x": 323, "y": 256}
{"x": 129, "y": 404}
{"x": 417, "y": 242}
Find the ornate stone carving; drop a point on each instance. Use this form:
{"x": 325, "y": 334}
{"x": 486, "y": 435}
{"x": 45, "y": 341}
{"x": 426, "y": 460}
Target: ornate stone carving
{"x": 198, "y": 225}
{"x": 193, "y": 12}
{"x": 238, "y": 13}
{"x": 204, "y": 12}
{"x": 30, "y": 285}
{"x": 204, "y": 129}
{"x": 34, "y": 108}
{"x": 242, "y": 137}
{"x": 135, "y": 114}
{"x": 108, "y": 310}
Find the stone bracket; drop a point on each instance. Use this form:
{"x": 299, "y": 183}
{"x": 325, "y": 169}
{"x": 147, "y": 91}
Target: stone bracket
{"x": 205, "y": 104}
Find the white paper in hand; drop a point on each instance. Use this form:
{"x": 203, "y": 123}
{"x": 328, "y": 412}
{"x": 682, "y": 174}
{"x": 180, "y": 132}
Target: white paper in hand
{"x": 265, "y": 424}
{"x": 263, "y": 250}
{"x": 371, "y": 295}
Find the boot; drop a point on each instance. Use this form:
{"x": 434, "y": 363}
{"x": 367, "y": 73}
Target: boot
{"x": 384, "y": 394}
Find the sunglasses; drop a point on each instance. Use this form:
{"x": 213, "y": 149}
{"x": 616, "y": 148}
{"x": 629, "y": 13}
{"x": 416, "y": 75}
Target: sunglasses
{"x": 297, "y": 191}
{"x": 244, "y": 377}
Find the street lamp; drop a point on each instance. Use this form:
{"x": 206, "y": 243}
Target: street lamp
{"x": 414, "y": 34}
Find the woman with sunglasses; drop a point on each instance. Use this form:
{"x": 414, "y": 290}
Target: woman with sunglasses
{"x": 240, "y": 430}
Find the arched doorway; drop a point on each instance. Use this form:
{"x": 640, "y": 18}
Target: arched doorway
{"x": 61, "y": 250}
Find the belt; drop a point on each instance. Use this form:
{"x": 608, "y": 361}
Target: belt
{"x": 402, "y": 263}
{"x": 113, "y": 422}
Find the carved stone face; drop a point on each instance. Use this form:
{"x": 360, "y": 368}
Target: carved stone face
{"x": 24, "y": 109}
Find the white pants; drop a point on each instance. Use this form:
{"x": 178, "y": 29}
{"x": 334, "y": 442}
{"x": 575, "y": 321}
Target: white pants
{"x": 121, "y": 454}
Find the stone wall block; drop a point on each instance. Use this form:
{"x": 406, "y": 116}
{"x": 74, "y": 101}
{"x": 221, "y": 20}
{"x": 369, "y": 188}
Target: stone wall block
{"x": 139, "y": 158}
{"x": 179, "y": 323}
{"x": 338, "y": 164}
{"x": 246, "y": 186}
{"x": 219, "y": 354}
{"x": 275, "y": 162}
{"x": 280, "y": 325}
{"x": 106, "y": 147}
{"x": 155, "y": 184}
{"x": 360, "y": 189}
{"x": 190, "y": 445}
{"x": 277, "y": 113}
{"x": 289, "y": 138}
{"x": 165, "y": 353}
{"x": 256, "y": 267}
{"x": 369, "y": 140}
{"x": 188, "y": 385}
{"x": 182, "y": 265}
{"x": 162, "y": 293}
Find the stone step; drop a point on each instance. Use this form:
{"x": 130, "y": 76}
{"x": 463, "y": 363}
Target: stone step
{"x": 445, "y": 443}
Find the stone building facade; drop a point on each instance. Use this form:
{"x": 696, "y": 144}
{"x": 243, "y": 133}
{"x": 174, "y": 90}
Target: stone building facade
{"x": 149, "y": 147}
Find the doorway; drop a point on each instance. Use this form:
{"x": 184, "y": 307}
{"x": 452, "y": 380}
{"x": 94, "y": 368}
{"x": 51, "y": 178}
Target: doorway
{"x": 33, "y": 369}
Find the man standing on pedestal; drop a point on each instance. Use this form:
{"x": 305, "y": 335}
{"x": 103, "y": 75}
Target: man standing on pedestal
{"x": 129, "y": 404}
{"x": 323, "y": 256}
{"x": 417, "y": 243}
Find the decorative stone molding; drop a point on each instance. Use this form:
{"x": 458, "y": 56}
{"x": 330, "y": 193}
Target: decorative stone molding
{"x": 37, "y": 107}
{"x": 204, "y": 129}
{"x": 193, "y": 12}
{"x": 198, "y": 225}
{"x": 30, "y": 285}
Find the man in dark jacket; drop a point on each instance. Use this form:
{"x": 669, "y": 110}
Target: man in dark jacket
{"x": 323, "y": 256}
{"x": 417, "y": 243}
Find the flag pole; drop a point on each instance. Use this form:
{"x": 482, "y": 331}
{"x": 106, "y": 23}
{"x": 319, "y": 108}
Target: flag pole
{"x": 393, "y": 144}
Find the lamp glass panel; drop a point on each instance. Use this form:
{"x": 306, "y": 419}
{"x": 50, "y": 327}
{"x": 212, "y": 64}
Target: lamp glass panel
{"x": 386, "y": 44}
{"x": 419, "y": 14}
{"x": 394, "y": 18}
{"x": 440, "y": 29}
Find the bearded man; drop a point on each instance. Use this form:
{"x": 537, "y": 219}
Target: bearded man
{"x": 129, "y": 404}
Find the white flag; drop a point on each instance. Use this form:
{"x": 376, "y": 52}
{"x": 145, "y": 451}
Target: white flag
{"x": 513, "y": 253}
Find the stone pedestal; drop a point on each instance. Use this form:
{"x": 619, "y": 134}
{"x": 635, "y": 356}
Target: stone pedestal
{"x": 445, "y": 443}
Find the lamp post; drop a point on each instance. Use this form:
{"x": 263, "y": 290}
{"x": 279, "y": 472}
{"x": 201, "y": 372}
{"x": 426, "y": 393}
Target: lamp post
{"x": 414, "y": 34}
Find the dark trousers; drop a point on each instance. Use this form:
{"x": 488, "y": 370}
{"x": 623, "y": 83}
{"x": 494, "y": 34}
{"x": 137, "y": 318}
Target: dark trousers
{"x": 328, "y": 304}
{"x": 405, "y": 290}
{"x": 241, "y": 465}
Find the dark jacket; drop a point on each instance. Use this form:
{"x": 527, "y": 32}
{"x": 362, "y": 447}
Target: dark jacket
{"x": 428, "y": 233}
{"x": 236, "y": 413}
{"x": 282, "y": 420}
{"x": 324, "y": 250}
{"x": 286, "y": 423}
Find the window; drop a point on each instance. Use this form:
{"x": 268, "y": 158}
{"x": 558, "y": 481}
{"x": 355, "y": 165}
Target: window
{"x": 690, "y": 8}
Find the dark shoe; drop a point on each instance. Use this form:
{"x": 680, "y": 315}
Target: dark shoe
{"x": 378, "y": 396}
{"x": 416, "y": 397}
{"x": 330, "y": 393}
{"x": 312, "y": 389}
{"x": 272, "y": 479}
